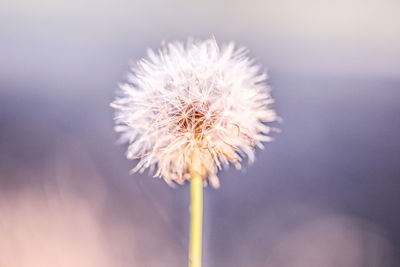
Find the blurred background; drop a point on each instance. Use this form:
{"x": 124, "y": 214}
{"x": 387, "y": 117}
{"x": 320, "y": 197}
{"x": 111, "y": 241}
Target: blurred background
{"x": 325, "y": 193}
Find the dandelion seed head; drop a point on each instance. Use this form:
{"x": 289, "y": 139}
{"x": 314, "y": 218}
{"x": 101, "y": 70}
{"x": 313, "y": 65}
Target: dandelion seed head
{"x": 195, "y": 100}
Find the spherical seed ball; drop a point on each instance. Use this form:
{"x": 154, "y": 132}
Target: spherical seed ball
{"x": 195, "y": 100}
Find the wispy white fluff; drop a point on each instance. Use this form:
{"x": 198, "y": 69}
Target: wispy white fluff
{"x": 195, "y": 100}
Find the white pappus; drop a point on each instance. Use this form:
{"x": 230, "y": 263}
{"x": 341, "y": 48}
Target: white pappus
{"x": 195, "y": 100}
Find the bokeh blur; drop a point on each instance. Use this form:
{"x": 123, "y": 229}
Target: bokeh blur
{"x": 325, "y": 193}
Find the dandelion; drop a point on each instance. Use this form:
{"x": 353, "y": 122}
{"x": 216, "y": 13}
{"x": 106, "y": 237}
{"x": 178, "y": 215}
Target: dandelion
{"x": 190, "y": 110}
{"x": 197, "y": 101}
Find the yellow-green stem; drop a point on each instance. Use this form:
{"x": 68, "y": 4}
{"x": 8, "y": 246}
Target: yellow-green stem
{"x": 196, "y": 220}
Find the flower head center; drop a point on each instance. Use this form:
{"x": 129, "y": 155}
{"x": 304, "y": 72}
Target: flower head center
{"x": 194, "y": 117}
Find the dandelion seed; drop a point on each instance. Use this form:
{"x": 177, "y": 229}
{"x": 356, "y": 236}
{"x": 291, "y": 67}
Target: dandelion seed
{"x": 194, "y": 100}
